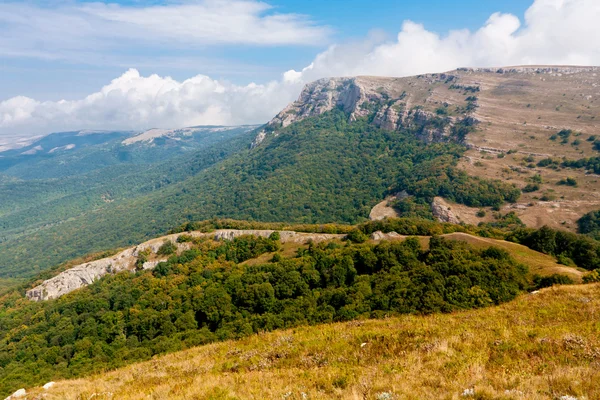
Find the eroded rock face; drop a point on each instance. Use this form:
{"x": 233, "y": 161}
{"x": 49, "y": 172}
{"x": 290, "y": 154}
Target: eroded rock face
{"x": 360, "y": 97}
{"x": 17, "y": 395}
{"x": 86, "y": 273}
{"x": 379, "y": 235}
{"x": 442, "y": 211}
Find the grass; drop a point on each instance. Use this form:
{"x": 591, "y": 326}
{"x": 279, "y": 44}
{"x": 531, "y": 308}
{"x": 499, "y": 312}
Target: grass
{"x": 540, "y": 346}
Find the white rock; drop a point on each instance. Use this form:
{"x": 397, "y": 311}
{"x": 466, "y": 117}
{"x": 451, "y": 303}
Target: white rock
{"x": 17, "y": 395}
{"x": 48, "y": 385}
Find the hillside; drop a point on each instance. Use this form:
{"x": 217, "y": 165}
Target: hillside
{"x": 304, "y": 175}
{"x": 540, "y": 346}
{"x": 230, "y": 279}
{"x": 147, "y": 256}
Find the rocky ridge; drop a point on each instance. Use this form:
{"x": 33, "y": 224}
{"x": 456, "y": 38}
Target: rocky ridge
{"x": 389, "y": 101}
{"x": 84, "y": 274}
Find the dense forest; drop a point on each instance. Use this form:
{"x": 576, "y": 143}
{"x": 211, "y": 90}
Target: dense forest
{"x": 207, "y": 293}
{"x": 305, "y": 174}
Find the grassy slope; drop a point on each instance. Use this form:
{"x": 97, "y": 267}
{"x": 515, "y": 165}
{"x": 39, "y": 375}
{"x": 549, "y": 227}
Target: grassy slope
{"x": 540, "y": 346}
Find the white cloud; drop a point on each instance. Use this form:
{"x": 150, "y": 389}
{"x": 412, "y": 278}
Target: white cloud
{"x": 64, "y": 30}
{"x": 553, "y": 32}
{"x": 137, "y": 102}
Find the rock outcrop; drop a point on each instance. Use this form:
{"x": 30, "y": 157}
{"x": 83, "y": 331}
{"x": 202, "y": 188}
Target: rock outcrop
{"x": 126, "y": 260}
{"x": 441, "y": 210}
{"x": 379, "y": 235}
{"x": 389, "y": 99}
{"x": 17, "y": 395}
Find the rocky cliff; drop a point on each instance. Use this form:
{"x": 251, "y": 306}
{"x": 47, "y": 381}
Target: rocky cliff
{"x": 390, "y": 103}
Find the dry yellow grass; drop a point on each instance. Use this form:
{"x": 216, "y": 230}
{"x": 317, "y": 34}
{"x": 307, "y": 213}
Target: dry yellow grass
{"x": 541, "y": 346}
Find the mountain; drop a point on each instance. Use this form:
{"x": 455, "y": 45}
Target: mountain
{"x": 529, "y": 121}
{"x": 45, "y": 190}
{"x": 492, "y": 353}
{"x": 494, "y": 146}
{"x": 66, "y": 154}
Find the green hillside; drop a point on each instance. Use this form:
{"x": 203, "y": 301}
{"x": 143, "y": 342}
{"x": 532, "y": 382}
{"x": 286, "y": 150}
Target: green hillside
{"x": 322, "y": 169}
{"x": 207, "y": 294}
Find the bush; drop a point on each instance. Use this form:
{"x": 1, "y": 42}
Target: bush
{"x": 275, "y": 236}
{"x": 167, "y": 248}
{"x": 531, "y": 187}
{"x": 184, "y": 238}
{"x": 568, "y": 181}
{"x": 356, "y": 236}
{"x": 592, "y": 277}
{"x": 589, "y": 224}
{"x": 551, "y": 280}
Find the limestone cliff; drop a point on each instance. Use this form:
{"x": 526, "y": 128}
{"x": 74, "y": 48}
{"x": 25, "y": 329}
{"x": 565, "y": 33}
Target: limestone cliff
{"x": 392, "y": 103}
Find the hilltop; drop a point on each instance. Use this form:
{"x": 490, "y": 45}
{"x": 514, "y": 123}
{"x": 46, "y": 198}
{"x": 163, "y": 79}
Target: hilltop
{"x": 540, "y": 346}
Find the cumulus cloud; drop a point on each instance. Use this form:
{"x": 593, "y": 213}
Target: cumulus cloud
{"x": 136, "y": 102}
{"x": 553, "y": 32}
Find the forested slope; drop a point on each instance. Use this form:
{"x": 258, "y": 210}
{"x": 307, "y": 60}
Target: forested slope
{"x": 322, "y": 169}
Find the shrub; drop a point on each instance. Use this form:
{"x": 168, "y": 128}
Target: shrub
{"x": 531, "y": 187}
{"x": 551, "y": 280}
{"x": 167, "y": 248}
{"x": 184, "y": 238}
{"x": 591, "y": 277}
{"x": 356, "y": 236}
{"x": 568, "y": 181}
{"x": 275, "y": 236}
{"x": 537, "y": 178}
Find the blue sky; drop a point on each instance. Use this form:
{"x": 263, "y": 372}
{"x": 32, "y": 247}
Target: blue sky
{"x": 137, "y": 64}
{"x": 349, "y": 19}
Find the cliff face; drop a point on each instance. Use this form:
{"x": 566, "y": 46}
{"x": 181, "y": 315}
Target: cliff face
{"x": 392, "y": 103}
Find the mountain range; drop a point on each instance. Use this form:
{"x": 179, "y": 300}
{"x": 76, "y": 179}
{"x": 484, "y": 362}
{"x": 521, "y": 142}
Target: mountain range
{"x": 520, "y": 140}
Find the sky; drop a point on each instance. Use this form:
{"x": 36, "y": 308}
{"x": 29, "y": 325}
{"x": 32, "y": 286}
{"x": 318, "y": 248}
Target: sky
{"x": 140, "y": 64}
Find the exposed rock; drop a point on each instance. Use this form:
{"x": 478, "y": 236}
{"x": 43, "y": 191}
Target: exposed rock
{"x": 442, "y": 211}
{"x": 379, "y": 235}
{"x": 17, "y": 395}
{"x": 285, "y": 236}
{"x": 260, "y": 136}
{"x": 86, "y": 273}
{"x": 534, "y": 69}
{"x": 360, "y": 97}
{"x": 48, "y": 385}
{"x": 382, "y": 210}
